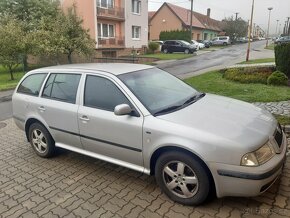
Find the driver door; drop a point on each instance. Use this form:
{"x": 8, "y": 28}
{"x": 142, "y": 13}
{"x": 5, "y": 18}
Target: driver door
{"x": 104, "y": 133}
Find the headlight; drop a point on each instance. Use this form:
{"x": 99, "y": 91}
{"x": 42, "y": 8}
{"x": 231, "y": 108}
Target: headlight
{"x": 259, "y": 157}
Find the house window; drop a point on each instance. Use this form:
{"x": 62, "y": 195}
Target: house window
{"x": 136, "y": 6}
{"x": 136, "y": 32}
{"x": 106, "y": 30}
{"x": 105, "y": 3}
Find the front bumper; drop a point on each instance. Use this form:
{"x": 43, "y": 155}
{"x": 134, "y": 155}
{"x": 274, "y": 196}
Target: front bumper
{"x": 231, "y": 180}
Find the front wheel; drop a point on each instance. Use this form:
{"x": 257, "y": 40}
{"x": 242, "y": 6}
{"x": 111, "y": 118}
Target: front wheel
{"x": 41, "y": 140}
{"x": 183, "y": 178}
{"x": 165, "y": 51}
{"x": 186, "y": 51}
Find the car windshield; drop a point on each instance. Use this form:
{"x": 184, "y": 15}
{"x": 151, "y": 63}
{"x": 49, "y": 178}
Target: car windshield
{"x": 185, "y": 42}
{"x": 159, "y": 91}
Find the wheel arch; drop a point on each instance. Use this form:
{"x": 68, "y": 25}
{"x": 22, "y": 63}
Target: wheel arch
{"x": 170, "y": 148}
{"x": 29, "y": 122}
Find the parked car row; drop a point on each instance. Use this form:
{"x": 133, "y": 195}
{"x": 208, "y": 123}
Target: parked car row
{"x": 282, "y": 40}
{"x": 171, "y": 46}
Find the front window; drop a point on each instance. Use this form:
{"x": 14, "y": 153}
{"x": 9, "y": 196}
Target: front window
{"x": 136, "y": 32}
{"x": 159, "y": 91}
{"x": 105, "y": 3}
{"x": 106, "y": 30}
{"x": 136, "y": 6}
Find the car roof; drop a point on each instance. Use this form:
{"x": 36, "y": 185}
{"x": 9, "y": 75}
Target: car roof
{"x": 112, "y": 68}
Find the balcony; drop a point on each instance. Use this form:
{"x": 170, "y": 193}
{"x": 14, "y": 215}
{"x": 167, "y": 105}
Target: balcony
{"x": 117, "y": 42}
{"x": 111, "y": 13}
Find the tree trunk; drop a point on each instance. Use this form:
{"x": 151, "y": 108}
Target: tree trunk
{"x": 11, "y": 72}
{"x": 25, "y": 63}
{"x": 69, "y": 58}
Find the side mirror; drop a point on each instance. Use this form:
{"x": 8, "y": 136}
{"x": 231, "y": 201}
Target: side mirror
{"x": 122, "y": 109}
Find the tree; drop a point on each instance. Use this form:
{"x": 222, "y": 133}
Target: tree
{"x": 64, "y": 35}
{"x": 29, "y": 13}
{"x": 235, "y": 28}
{"x": 12, "y": 40}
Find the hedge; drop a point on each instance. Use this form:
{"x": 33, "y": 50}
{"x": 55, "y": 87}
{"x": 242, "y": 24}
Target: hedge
{"x": 175, "y": 35}
{"x": 282, "y": 56}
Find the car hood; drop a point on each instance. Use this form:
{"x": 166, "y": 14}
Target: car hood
{"x": 232, "y": 121}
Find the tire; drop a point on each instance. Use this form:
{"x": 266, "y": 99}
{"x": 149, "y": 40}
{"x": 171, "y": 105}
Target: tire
{"x": 165, "y": 51}
{"x": 186, "y": 51}
{"x": 41, "y": 140}
{"x": 225, "y": 44}
{"x": 171, "y": 171}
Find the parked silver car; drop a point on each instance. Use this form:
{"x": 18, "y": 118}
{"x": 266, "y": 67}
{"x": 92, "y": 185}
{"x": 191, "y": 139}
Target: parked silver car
{"x": 143, "y": 118}
{"x": 221, "y": 40}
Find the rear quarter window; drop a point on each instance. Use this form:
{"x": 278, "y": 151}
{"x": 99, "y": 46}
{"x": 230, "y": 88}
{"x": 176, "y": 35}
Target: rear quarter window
{"x": 31, "y": 85}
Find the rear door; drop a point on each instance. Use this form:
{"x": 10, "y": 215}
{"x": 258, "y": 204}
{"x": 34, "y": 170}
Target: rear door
{"x": 58, "y": 106}
{"x": 104, "y": 133}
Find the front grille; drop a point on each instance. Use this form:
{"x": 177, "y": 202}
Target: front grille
{"x": 279, "y": 135}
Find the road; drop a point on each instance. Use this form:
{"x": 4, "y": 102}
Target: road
{"x": 184, "y": 68}
{"x": 220, "y": 58}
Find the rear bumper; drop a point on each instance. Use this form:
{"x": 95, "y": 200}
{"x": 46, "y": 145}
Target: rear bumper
{"x": 233, "y": 180}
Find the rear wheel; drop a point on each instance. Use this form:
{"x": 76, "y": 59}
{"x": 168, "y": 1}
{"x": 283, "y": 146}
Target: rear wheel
{"x": 225, "y": 43}
{"x": 41, "y": 140}
{"x": 183, "y": 178}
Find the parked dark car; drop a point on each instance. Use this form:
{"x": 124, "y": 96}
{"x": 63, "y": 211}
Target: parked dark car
{"x": 206, "y": 43}
{"x": 171, "y": 46}
{"x": 283, "y": 40}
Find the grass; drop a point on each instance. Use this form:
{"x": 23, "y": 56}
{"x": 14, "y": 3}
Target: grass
{"x": 213, "y": 82}
{"x": 259, "y": 61}
{"x": 174, "y": 56}
{"x": 5, "y": 82}
{"x": 283, "y": 120}
{"x": 270, "y": 47}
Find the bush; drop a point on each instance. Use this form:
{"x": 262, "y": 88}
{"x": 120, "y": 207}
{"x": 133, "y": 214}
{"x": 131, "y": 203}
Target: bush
{"x": 153, "y": 46}
{"x": 278, "y": 78}
{"x": 282, "y": 56}
{"x": 248, "y": 75}
{"x": 175, "y": 35}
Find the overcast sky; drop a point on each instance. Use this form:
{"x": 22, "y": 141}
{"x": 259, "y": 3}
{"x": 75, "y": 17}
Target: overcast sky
{"x": 226, "y": 8}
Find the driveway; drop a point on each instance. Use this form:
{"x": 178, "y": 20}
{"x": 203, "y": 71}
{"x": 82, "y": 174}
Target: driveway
{"x": 73, "y": 185}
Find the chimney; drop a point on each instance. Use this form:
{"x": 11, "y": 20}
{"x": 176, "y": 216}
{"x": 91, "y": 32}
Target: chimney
{"x": 208, "y": 12}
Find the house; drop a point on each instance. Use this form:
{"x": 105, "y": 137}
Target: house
{"x": 118, "y": 26}
{"x": 172, "y": 17}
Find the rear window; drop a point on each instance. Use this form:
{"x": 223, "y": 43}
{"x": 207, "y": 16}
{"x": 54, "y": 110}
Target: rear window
{"x": 62, "y": 87}
{"x": 31, "y": 85}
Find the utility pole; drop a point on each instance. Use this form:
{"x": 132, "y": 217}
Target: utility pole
{"x": 191, "y": 13}
{"x": 270, "y": 9}
{"x": 288, "y": 26}
{"x": 235, "y": 33}
{"x": 250, "y": 32}
{"x": 277, "y": 27}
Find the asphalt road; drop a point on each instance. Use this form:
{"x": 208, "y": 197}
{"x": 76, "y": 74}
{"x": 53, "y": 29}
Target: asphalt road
{"x": 180, "y": 68}
{"x": 222, "y": 57}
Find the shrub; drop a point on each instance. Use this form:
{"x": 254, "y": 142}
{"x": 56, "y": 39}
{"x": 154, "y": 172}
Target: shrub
{"x": 282, "y": 56}
{"x": 175, "y": 35}
{"x": 278, "y": 78}
{"x": 248, "y": 75}
{"x": 153, "y": 46}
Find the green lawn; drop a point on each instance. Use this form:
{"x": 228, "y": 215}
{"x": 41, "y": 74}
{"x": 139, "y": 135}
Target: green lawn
{"x": 213, "y": 82}
{"x": 259, "y": 61}
{"x": 283, "y": 120}
{"x": 174, "y": 56}
{"x": 5, "y": 81}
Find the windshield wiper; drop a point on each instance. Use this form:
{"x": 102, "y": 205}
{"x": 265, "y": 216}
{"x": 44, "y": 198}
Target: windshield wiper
{"x": 194, "y": 98}
{"x": 168, "y": 109}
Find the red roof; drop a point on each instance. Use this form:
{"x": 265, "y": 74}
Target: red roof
{"x": 198, "y": 20}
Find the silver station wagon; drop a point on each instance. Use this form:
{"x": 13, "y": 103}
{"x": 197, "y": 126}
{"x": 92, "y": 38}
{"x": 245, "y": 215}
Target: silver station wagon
{"x": 145, "y": 119}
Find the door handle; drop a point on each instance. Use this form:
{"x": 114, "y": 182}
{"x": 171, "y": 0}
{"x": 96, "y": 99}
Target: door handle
{"x": 84, "y": 118}
{"x": 41, "y": 108}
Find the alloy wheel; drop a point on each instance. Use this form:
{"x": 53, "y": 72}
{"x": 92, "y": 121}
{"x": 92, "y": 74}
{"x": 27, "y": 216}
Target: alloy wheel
{"x": 39, "y": 141}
